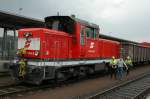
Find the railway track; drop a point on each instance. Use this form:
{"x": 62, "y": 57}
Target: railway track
{"x": 132, "y": 89}
{"x": 12, "y": 89}
{"x": 20, "y": 88}
{"x": 144, "y": 78}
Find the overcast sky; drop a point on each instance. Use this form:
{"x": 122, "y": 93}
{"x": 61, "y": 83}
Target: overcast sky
{"x": 127, "y": 19}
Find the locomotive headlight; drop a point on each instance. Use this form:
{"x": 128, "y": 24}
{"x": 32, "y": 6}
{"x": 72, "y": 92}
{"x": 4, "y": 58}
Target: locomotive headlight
{"x": 27, "y": 34}
{"x": 36, "y": 53}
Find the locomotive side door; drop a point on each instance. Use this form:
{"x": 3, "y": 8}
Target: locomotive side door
{"x": 56, "y": 50}
{"x": 82, "y": 42}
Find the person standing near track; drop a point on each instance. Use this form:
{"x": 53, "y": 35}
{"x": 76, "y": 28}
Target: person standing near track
{"x": 129, "y": 63}
{"x": 112, "y": 69}
{"x": 120, "y": 65}
{"x": 22, "y": 67}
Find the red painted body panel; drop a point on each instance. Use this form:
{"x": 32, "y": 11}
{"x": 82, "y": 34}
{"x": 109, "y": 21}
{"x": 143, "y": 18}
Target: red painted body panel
{"x": 108, "y": 48}
{"x": 60, "y": 45}
{"x": 53, "y": 44}
{"x": 92, "y": 48}
{"x": 75, "y": 42}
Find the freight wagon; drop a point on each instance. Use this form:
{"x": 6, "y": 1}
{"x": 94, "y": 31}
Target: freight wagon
{"x": 137, "y": 52}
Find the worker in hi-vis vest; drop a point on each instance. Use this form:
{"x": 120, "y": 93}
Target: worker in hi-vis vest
{"x": 113, "y": 66}
{"x": 129, "y": 63}
{"x": 22, "y": 65}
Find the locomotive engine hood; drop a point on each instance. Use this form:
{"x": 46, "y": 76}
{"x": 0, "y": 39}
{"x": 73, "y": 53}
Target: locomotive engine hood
{"x": 28, "y": 43}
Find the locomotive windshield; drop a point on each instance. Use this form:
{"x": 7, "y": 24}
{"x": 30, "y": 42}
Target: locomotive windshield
{"x": 64, "y": 24}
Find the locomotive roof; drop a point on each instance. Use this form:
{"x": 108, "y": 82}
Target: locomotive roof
{"x": 83, "y": 22}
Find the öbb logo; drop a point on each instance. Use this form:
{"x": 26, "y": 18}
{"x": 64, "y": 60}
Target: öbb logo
{"x": 92, "y": 45}
{"x": 27, "y": 43}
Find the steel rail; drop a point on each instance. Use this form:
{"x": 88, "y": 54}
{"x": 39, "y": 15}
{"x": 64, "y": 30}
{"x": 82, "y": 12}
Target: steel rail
{"x": 20, "y": 88}
{"x": 131, "y": 89}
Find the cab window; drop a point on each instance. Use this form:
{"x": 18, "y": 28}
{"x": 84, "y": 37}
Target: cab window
{"x": 91, "y": 32}
{"x": 61, "y": 24}
{"x": 82, "y": 36}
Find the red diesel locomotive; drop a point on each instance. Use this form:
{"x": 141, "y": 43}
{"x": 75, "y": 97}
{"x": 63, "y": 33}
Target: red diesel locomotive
{"x": 67, "y": 47}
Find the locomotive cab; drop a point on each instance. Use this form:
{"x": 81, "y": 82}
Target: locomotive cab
{"x": 60, "y": 23}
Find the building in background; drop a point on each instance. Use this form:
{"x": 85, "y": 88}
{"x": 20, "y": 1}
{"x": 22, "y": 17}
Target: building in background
{"x": 10, "y": 50}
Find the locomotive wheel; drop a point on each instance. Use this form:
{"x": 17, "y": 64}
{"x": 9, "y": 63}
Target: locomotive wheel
{"x": 59, "y": 76}
{"x": 37, "y": 76}
{"x": 38, "y": 82}
{"x": 83, "y": 71}
{"x": 90, "y": 71}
